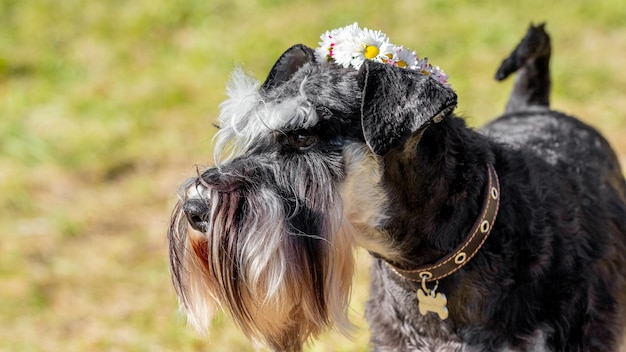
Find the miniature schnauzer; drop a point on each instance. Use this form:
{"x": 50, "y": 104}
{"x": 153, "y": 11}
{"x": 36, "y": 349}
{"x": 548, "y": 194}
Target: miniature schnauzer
{"x": 507, "y": 238}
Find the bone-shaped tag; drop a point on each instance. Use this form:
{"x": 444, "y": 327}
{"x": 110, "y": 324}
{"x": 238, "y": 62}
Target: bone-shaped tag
{"x": 435, "y": 302}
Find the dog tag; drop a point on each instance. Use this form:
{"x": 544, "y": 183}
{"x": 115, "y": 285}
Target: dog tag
{"x": 435, "y": 302}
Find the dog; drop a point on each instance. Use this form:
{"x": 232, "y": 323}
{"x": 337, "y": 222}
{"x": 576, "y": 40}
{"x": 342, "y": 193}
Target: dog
{"x": 507, "y": 238}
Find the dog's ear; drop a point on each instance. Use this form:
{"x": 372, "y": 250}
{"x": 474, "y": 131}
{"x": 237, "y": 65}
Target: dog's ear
{"x": 398, "y": 102}
{"x": 287, "y": 64}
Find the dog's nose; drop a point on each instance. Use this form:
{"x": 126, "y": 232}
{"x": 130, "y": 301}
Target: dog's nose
{"x": 196, "y": 211}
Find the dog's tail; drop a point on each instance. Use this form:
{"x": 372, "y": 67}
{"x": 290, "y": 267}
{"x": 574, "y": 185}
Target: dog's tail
{"x": 531, "y": 58}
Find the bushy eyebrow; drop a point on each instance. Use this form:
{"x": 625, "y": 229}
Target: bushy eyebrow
{"x": 241, "y": 130}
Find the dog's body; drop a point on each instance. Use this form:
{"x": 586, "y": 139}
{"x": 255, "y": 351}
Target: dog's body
{"x": 327, "y": 159}
{"x": 551, "y": 275}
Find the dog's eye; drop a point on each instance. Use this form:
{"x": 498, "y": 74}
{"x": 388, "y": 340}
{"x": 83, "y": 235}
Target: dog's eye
{"x": 301, "y": 140}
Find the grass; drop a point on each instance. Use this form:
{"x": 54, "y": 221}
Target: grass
{"x": 106, "y": 106}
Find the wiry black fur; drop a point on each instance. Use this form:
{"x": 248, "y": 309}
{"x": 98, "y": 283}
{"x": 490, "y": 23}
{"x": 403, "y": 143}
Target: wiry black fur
{"x": 553, "y": 269}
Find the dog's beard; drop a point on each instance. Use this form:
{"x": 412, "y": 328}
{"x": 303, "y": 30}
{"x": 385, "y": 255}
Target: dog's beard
{"x": 283, "y": 274}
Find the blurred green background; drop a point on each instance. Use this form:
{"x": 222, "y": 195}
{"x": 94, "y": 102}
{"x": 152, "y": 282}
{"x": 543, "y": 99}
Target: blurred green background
{"x": 106, "y": 107}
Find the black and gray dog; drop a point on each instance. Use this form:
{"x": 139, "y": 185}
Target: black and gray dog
{"x": 509, "y": 238}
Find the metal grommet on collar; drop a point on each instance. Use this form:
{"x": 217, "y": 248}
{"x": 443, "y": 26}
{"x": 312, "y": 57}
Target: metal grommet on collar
{"x": 484, "y": 226}
{"x": 460, "y": 258}
{"x": 494, "y": 193}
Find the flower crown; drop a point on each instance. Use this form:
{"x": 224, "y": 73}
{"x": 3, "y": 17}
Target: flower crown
{"x": 351, "y": 46}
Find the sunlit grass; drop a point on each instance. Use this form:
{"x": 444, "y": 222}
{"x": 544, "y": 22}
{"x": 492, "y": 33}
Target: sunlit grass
{"x": 106, "y": 106}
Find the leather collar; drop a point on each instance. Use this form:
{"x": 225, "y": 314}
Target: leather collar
{"x": 473, "y": 242}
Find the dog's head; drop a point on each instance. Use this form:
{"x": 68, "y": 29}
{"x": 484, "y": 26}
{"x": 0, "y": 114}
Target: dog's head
{"x": 268, "y": 233}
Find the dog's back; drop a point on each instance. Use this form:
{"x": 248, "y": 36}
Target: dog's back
{"x": 562, "y": 161}
{"x": 552, "y": 136}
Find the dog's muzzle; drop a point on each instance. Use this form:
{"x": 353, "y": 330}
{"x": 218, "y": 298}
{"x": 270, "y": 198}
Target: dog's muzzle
{"x": 198, "y": 199}
{"x": 197, "y": 211}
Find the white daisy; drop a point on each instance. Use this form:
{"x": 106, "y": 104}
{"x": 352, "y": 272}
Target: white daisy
{"x": 325, "y": 50}
{"x": 439, "y": 75}
{"x": 371, "y": 45}
{"x": 422, "y": 66}
{"x": 435, "y": 72}
{"x": 345, "y": 43}
{"x": 404, "y": 58}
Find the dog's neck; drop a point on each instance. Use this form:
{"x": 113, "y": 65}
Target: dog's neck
{"x": 445, "y": 165}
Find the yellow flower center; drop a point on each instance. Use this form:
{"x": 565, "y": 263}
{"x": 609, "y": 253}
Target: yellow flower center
{"x": 401, "y": 64}
{"x": 371, "y": 51}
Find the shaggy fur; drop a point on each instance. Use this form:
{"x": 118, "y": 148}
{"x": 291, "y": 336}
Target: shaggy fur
{"x": 319, "y": 160}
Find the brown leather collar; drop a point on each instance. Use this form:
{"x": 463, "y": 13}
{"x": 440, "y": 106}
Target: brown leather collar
{"x": 466, "y": 250}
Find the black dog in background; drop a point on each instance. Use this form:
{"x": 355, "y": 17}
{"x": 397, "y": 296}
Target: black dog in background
{"x": 510, "y": 238}
{"x": 551, "y": 275}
